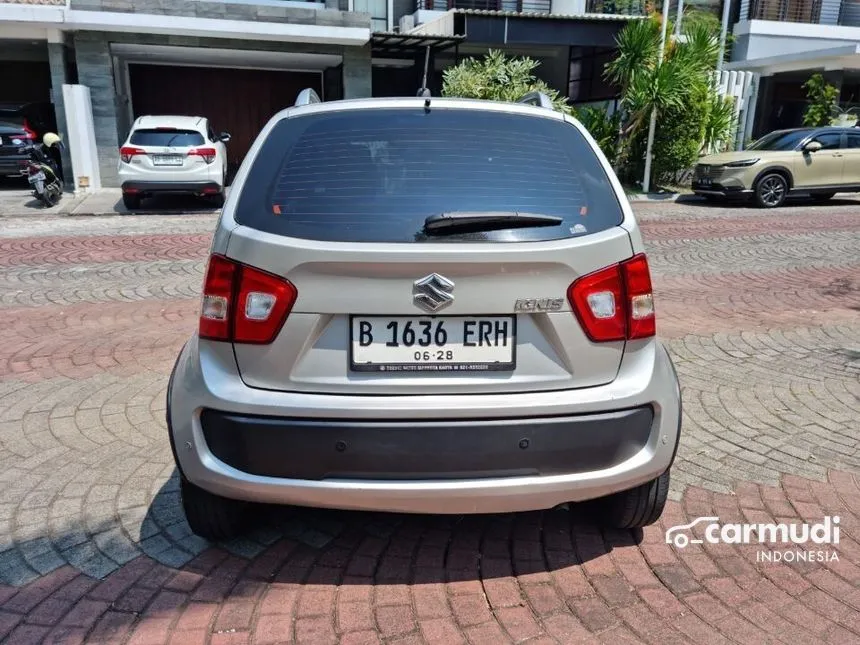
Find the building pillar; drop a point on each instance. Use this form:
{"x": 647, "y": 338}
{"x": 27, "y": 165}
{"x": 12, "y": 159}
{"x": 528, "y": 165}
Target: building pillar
{"x": 764, "y": 107}
{"x": 57, "y": 61}
{"x": 357, "y": 73}
{"x": 95, "y": 70}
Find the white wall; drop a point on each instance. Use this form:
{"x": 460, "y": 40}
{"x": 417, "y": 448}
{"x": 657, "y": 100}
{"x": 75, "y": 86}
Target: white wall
{"x": 81, "y": 139}
{"x": 567, "y": 7}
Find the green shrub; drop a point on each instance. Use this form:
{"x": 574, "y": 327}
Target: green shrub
{"x": 822, "y": 102}
{"x": 497, "y": 77}
{"x": 603, "y": 127}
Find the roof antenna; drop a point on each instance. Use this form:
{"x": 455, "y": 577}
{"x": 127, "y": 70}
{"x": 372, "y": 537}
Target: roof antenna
{"x": 424, "y": 92}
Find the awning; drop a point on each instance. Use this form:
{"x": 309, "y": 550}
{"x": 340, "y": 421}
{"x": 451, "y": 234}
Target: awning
{"x": 405, "y": 45}
{"x": 827, "y": 59}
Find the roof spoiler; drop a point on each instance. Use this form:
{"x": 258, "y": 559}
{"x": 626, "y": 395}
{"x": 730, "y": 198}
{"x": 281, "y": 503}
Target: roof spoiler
{"x": 536, "y": 98}
{"x": 306, "y": 97}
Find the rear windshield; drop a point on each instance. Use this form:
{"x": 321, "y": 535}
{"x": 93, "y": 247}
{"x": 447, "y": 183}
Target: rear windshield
{"x": 375, "y": 175}
{"x": 166, "y": 137}
{"x": 10, "y": 118}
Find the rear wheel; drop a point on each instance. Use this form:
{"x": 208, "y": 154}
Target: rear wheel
{"x": 771, "y": 190}
{"x": 211, "y": 516}
{"x": 217, "y": 200}
{"x": 131, "y": 202}
{"x": 637, "y": 507}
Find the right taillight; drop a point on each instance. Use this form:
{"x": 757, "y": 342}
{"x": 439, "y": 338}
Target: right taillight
{"x": 615, "y": 303}
{"x": 243, "y": 304}
{"x": 126, "y": 153}
{"x": 29, "y": 133}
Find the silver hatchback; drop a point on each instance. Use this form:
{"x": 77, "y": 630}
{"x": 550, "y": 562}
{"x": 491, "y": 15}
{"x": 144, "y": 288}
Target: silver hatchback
{"x": 425, "y": 306}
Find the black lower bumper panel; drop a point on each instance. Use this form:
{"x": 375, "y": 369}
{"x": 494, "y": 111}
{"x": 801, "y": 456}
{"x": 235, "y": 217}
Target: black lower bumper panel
{"x": 170, "y": 187}
{"x": 319, "y": 449}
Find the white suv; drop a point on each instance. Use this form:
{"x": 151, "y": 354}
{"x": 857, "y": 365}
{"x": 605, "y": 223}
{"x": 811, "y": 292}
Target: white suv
{"x": 172, "y": 154}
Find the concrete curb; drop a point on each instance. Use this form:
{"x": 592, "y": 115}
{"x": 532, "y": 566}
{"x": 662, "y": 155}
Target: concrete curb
{"x": 152, "y": 213}
{"x": 660, "y": 197}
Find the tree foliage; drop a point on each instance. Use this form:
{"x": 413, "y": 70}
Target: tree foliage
{"x": 692, "y": 117}
{"x": 497, "y": 77}
{"x": 679, "y": 87}
{"x": 822, "y": 99}
{"x": 603, "y": 127}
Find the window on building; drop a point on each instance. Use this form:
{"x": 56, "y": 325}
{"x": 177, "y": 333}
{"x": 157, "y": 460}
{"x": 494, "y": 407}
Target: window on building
{"x": 587, "y": 81}
{"x": 378, "y": 10}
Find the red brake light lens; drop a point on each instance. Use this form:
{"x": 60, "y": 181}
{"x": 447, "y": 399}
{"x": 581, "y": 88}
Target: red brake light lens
{"x": 127, "y": 152}
{"x": 615, "y": 303}
{"x": 216, "y": 307}
{"x": 243, "y": 304}
{"x": 641, "y": 322}
{"x": 208, "y": 154}
{"x": 29, "y": 133}
{"x": 598, "y": 301}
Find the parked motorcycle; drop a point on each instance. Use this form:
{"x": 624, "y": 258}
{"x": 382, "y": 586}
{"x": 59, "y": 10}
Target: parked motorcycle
{"x": 42, "y": 171}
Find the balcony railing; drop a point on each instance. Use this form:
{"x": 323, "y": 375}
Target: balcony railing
{"x": 617, "y": 7}
{"x": 808, "y": 11}
{"x": 522, "y": 6}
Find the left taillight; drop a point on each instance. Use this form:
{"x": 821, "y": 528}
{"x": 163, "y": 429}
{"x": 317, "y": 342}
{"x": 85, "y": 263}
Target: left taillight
{"x": 243, "y": 304}
{"x": 615, "y": 303}
{"x": 208, "y": 154}
{"x": 126, "y": 153}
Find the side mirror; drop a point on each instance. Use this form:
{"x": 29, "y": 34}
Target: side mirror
{"x": 224, "y": 137}
{"x": 812, "y": 146}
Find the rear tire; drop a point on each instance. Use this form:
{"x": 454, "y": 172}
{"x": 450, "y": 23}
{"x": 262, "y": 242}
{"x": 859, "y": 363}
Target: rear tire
{"x": 217, "y": 200}
{"x": 211, "y": 516}
{"x": 131, "y": 202}
{"x": 637, "y": 507}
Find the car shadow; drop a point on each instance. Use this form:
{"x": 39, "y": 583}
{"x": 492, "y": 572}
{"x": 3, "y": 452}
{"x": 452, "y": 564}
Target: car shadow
{"x": 337, "y": 547}
{"x": 168, "y": 205}
{"x": 793, "y": 201}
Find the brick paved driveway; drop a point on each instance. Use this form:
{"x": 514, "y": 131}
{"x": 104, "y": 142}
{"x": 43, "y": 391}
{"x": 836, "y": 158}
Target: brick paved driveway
{"x": 760, "y": 310}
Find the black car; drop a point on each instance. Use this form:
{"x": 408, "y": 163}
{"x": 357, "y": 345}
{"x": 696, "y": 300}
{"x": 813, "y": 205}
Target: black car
{"x": 36, "y": 118}
{"x": 14, "y": 149}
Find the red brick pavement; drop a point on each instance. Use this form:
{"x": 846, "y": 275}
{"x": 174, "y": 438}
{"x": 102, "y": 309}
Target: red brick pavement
{"x": 538, "y": 577}
{"x": 549, "y": 577}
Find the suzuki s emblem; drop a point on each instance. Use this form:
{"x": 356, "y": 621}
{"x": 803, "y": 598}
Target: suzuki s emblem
{"x": 432, "y": 292}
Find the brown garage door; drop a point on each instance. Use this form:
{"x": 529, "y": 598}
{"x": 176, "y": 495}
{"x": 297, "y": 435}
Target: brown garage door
{"x": 239, "y": 101}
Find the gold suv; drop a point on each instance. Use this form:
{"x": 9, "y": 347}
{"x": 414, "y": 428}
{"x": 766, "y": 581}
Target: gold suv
{"x": 817, "y": 161}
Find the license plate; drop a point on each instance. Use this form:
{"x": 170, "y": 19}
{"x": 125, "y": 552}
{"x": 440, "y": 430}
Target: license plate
{"x": 432, "y": 343}
{"x": 166, "y": 160}
{"x": 705, "y": 182}
{"x": 39, "y": 176}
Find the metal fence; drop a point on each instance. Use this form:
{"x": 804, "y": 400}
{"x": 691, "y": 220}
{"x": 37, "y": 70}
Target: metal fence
{"x": 522, "y": 6}
{"x": 808, "y": 11}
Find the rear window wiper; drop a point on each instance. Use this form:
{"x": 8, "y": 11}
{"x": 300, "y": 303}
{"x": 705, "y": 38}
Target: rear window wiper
{"x": 458, "y": 222}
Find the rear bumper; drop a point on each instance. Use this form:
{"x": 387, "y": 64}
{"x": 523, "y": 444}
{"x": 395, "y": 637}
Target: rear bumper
{"x": 317, "y": 449}
{"x": 13, "y": 165}
{"x": 421, "y": 454}
{"x": 162, "y": 187}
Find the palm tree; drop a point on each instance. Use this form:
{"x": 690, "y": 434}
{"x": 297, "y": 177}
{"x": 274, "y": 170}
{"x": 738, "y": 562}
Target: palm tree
{"x": 647, "y": 83}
